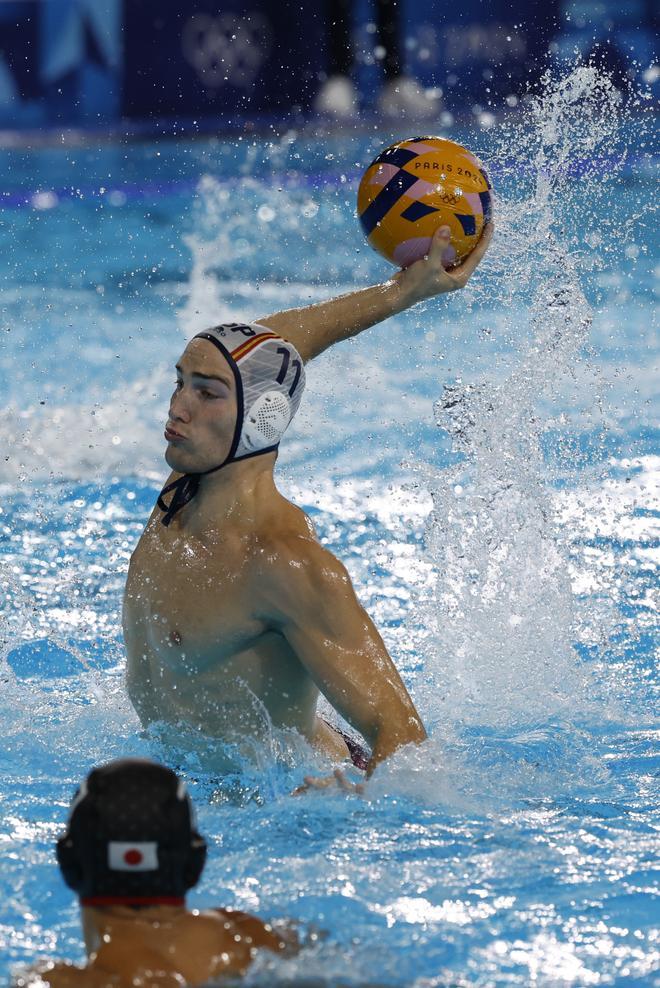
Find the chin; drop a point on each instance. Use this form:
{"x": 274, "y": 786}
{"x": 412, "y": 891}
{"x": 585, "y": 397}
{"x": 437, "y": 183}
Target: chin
{"x": 179, "y": 461}
{"x": 176, "y": 461}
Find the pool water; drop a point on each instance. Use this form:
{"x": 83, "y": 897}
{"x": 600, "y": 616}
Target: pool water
{"x": 487, "y": 467}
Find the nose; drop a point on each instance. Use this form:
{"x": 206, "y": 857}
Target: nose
{"x": 179, "y": 411}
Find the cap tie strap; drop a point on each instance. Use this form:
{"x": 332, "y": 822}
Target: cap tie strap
{"x": 185, "y": 488}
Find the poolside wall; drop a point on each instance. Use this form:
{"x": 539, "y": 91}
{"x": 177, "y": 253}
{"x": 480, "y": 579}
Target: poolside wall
{"x": 91, "y": 63}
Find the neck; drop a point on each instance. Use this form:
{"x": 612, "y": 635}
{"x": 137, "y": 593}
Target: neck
{"x": 233, "y": 488}
{"x": 99, "y": 922}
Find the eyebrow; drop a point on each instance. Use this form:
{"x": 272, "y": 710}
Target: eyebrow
{"x": 205, "y": 377}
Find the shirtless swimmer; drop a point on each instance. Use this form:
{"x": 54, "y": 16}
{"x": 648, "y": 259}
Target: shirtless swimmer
{"x": 230, "y": 596}
{"x": 131, "y": 852}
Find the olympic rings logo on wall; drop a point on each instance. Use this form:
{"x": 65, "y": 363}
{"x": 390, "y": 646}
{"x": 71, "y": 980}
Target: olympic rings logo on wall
{"x": 229, "y": 49}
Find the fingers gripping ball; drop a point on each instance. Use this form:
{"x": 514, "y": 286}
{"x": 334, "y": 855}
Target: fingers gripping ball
{"x": 415, "y": 187}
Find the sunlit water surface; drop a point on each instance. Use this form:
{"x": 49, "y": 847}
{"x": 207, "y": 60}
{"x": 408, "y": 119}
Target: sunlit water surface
{"x": 486, "y": 466}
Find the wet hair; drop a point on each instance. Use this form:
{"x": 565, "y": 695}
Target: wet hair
{"x": 131, "y": 837}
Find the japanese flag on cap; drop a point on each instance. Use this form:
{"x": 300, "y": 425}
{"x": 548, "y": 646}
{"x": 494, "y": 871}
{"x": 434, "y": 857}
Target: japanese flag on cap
{"x": 133, "y": 856}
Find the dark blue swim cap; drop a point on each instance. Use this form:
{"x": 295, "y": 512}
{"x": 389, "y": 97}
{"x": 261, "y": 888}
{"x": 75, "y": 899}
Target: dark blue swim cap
{"x": 131, "y": 837}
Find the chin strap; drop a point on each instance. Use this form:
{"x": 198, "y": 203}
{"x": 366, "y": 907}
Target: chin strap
{"x": 184, "y": 489}
{"x": 187, "y": 485}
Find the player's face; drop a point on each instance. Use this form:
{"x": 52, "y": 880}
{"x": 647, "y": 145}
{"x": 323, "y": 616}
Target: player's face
{"x": 202, "y": 417}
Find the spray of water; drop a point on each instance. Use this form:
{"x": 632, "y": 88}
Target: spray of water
{"x": 502, "y": 609}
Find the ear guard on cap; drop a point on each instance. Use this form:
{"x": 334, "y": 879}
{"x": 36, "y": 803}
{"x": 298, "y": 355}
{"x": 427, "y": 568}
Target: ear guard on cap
{"x": 72, "y": 872}
{"x": 266, "y": 420}
{"x": 68, "y": 861}
{"x": 195, "y": 860}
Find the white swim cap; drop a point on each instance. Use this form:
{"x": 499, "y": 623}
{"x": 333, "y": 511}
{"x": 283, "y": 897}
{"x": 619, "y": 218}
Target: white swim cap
{"x": 270, "y": 379}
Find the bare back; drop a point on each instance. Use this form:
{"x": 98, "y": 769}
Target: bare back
{"x": 187, "y": 949}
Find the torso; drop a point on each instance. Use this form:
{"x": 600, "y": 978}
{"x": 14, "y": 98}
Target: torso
{"x": 200, "y": 648}
{"x": 187, "y": 949}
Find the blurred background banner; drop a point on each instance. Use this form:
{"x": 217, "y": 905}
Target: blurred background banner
{"x": 204, "y": 58}
{"x": 61, "y": 62}
{"x": 93, "y": 62}
{"x": 473, "y": 51}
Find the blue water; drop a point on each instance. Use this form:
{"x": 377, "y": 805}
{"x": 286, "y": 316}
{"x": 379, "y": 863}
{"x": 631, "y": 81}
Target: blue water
{"x": 487, "y": 467}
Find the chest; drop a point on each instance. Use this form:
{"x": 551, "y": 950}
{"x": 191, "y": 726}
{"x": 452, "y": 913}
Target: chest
{"x": 193, "y": 595}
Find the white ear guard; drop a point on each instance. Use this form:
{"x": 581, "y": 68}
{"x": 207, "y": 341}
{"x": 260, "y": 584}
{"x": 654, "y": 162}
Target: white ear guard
{"x": 266, "y": 420}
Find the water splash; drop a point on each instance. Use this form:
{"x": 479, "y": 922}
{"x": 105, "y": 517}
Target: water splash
{"x": 502, "y": 610}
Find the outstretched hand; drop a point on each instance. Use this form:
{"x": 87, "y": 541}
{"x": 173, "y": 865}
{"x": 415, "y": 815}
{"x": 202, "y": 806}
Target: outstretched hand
{"x": 427, "y": 277}
{"x": 338, "y": 779}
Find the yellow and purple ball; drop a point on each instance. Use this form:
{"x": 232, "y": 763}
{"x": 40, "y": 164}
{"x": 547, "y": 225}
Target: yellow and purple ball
{"x": 414, "y": 187}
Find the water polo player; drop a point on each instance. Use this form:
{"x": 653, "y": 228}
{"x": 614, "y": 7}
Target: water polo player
{"x": 233, "y": 610}
{"x": 131, "y": 852}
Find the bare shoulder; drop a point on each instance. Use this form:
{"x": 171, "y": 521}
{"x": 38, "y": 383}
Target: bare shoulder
{"x": 296, "y": 571}
{"x": 292, "y": 543}
{"x": 282, "y": 529}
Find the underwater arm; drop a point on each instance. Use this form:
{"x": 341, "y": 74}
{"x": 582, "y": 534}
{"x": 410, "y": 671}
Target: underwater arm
{"x": 316, "y": 327}
{"x": 314, "y": 606}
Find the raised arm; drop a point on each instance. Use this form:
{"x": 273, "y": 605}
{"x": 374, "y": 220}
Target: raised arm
{"x": 311, "y": 601}
{"x": 316, "y": 327}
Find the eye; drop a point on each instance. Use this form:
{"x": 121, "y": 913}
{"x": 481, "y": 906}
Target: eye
{"x": 208, "y": 395}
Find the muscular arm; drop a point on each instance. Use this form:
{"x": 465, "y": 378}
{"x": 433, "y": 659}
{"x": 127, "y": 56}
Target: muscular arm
{"x": 316, "y": 327}
{"x": 311, "y": 601}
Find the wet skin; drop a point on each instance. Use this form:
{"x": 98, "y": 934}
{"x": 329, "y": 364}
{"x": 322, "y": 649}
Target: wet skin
{"x": 235, "y": 614}
{"x": 161, "y": 947}
{"x": 235, "y": 609}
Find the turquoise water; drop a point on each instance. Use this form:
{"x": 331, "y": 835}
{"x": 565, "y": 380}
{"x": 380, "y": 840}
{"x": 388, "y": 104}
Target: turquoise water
{"x": 486, "y": 465}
